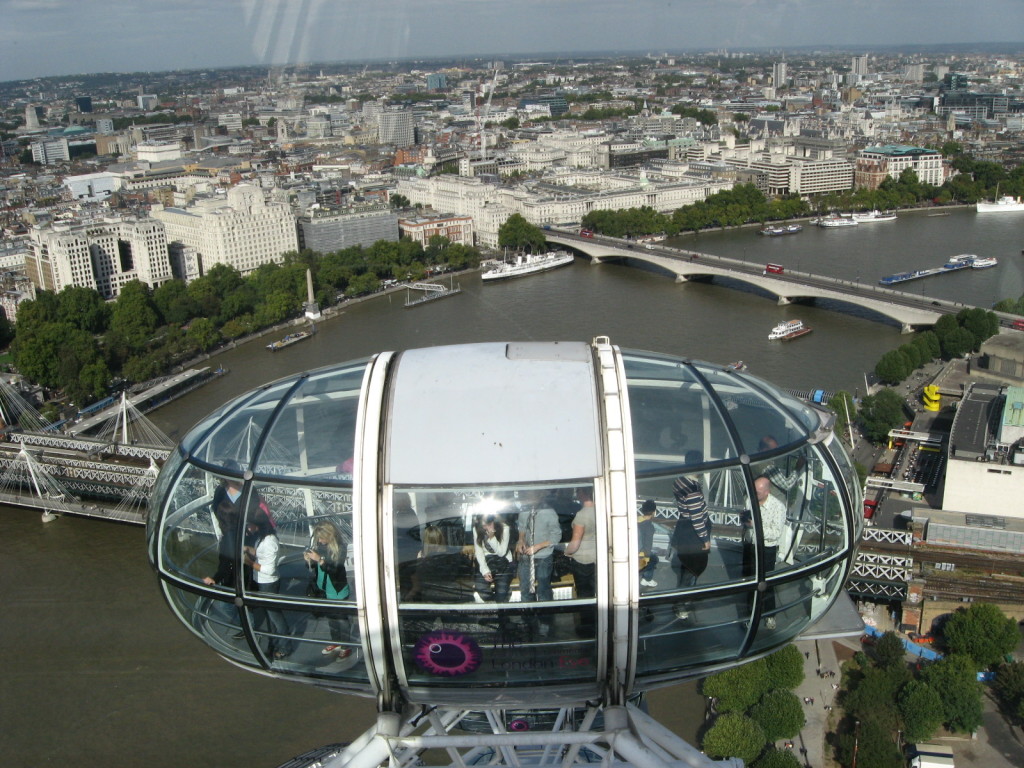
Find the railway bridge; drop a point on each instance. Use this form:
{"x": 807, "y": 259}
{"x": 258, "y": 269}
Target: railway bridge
{"x": 910, "y": 312}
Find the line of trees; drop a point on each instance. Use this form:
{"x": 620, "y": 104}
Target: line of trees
{"x": 745, "y": 204}
{"x": 756, "y": 707}
{"x": 76, "y": 342}
{"x": 883, "y": 697}
{"x": 742, "y": 204}
{"x": 952, "y": 336}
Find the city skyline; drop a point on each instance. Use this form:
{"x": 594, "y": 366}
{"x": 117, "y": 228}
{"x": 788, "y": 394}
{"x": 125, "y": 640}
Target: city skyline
{"x": 43, "y": 38}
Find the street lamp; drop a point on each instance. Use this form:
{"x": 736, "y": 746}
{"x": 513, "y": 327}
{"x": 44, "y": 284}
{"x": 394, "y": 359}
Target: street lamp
{"x": 856, "y": 738}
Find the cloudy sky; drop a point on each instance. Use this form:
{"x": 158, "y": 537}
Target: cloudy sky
{"x": 54, "y": 37}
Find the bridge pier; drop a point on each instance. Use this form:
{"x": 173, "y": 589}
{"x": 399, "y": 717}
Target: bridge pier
{"x": 783, "y": 301}
{"x": 906, "y": 328}
{"x": 682, "y": 279}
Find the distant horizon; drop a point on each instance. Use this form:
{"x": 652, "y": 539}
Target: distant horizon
{"x": 55, "y": 38}
{"x": 564, "y": 58}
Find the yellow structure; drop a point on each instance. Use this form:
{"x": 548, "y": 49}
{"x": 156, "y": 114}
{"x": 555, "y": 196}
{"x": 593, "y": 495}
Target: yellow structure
{"x": 930, "y": 397}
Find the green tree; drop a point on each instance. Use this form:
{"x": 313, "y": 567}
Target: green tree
{"x": 778, "y": 758}
{"x": 873, "y": 745}
{"x": 880, "y": 413}
{"x": 83, "y": 308}
{"x": 364, "y": 283}
{"x": 519, "y": 234}
{"x": 843, "y": 406}
{"x": 893, "y": 367}
{"x": 982, "y": 632}
{"x": 398, "y": 201}
{"x": 203, "y": 334}
{"x": 780, "y": 715}
{"x": 981, "y": 324}
{"x": 784, "y": 668}
{"x": 238, "y": 327}
{"x": 737, "y": 689}
{"x": 174, "y": 303}
{"x": 920, "y": 710}
{"x": 1009, "y": 687}
{"x": 734, "y": 735}
{"x": 889, "y": 650}
{"x": 872, "y": 696}
{"x": 133, "y": 319}
{"x": 954, "y": 679}
{"x": 958, "y": 343}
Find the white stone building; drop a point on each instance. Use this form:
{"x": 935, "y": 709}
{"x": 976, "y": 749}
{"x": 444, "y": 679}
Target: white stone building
{"x": 102, "y": 255}
{"x": 565, "y": 195}
{"x": 240, "y": 229}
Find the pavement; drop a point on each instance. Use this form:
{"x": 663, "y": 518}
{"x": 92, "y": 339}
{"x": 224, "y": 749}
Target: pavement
{"x": 817, "y": 693}
{"x": 999, "y": 743}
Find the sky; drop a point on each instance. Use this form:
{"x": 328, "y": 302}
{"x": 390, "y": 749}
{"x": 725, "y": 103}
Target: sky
{"x": 41, "y": 38}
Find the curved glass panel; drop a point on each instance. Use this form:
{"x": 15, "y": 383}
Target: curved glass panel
{"x": 676, "y": 635}
{"x": 675, "y": 422}
{"x": 755, "y": 417}
{"x": 497, "y": 585}
{"x": 197, "y": 544}
{"x": 787, "y": 608}
{"x": 852, "y": 480}
{"x": 685, "y": 547}
{"x": 824, "y": 585}
{"x": 314, "y": 434}
{"x": 233, "y": 439}
{"x": 809, "y": 523}
{"x": 807, "y": 415}
{"x": 160, "y": 494}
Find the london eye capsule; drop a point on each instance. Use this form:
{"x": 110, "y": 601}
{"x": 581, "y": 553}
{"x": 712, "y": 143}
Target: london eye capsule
{"x": 505, "y": 528}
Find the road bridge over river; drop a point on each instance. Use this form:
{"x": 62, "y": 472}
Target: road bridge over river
{"x": 911, "y": 312}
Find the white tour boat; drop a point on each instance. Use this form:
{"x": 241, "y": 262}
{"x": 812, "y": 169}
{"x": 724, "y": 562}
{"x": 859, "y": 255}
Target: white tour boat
{"x": 528, "y": 264}
{"x": 790, "y": 329}
{"x": 835, "y": 220}
{"x": 871, "y": 216}
{"x": 1004, "y": 204}
{"x": 984, "y": 262}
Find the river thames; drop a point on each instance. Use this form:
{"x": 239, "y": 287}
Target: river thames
{"x": 100, "y": 673}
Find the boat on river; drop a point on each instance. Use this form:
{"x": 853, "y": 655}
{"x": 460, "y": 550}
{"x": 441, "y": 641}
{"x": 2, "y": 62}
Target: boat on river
{"x": 1004, "y": 204}
{"x": 868, "y": 217}
{"x": 984, "y": 262}
{"x": 789, "y": 229}
{"x": 835, "y": 220}
{"x": 960, "y": 261}
{"x": 528, "y": 264}
{"x": 291, "y": 338}
{"x": 790, "y": 329}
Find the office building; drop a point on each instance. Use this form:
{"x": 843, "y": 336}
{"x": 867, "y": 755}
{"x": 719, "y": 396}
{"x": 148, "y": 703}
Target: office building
{"x": 875, "y": 164}
{"x": 419, "y": 229}
{"x": 100, "y": 255}
{"x": 396, "y": 127}
{"x": 327, "y": 228}
{"x": 859, "y": 67}
{"x": 985, "y": 460}
{"x": 437, "y": 81}
{"x": 51, "y": 151}
{"x": 243, "y": 230}
{"x": 779, "y": 74}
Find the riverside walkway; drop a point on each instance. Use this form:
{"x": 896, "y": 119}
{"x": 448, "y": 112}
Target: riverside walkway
{"x": 911, "y": 312}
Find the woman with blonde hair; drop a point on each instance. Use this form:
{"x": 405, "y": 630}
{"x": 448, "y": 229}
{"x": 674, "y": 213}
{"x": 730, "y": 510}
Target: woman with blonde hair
{"x": 327, "y": 556}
